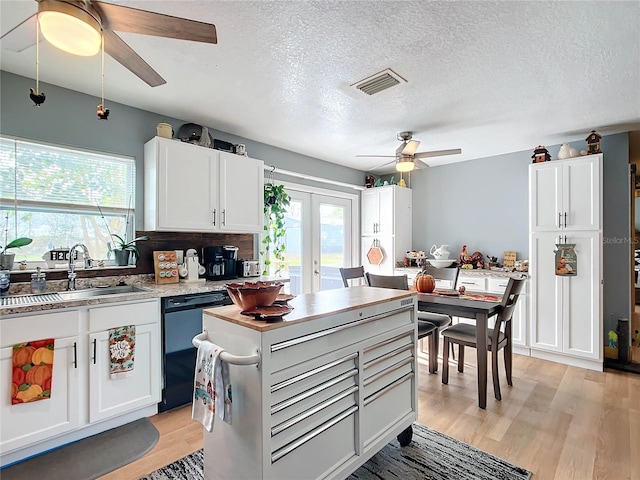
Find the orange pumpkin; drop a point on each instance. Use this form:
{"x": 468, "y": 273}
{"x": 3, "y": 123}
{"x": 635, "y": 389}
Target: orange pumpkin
{"x": 42, "y": 355}
{"x": 41, "y": 343}
{"x": 38, "y": 374}
{"x": 18, "y": 375}
{"x": 30, "y": 393}
{"x": 424, "y": 283}
{"x": 14, "y": 390}
{"x": 22, "y": 355}
{"x": 46, "y": 386}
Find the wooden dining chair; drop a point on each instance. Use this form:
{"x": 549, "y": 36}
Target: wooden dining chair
{"x": 440, "y": 320}
{"x": 425, "y": 329}
{"x": 499, "y": 337}
{"x": 351, "y": 273}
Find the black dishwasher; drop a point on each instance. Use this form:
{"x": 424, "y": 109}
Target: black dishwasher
{"x": 181, "y": 321}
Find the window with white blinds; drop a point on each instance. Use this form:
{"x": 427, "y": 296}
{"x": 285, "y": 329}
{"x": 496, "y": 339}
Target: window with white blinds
{"x": 59, "y": 196}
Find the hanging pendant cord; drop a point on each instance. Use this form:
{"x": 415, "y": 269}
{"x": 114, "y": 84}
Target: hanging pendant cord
{"x": 38, "y": 55}
{"x": 102, "y": 68}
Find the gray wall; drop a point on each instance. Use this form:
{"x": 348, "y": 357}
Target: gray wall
{"x": 69, "y": 118}
{"x": 485, "y": 203}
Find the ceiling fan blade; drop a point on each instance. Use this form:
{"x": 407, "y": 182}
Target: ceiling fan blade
{"x": 410, "y": 148}
{"x": 124, "y": 54}
{"x": 133, "y": 20}
{"x": 22, "y": 36}
{"x": 438, "y": 153}
{"x": 419, "y": 163}
{"x": 377, "y": 156}
{"x": 382, "y": 166}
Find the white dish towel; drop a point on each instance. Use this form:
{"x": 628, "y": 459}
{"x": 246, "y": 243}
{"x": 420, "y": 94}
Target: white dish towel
{"x": 212, "y": 388}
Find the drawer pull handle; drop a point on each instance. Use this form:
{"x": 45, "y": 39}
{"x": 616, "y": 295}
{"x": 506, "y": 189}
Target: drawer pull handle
{"x": 309, "y": 393}
{"x": 314, "y": 433}
{"x": 468, "y": 283}
{"x": 387, "y": 371}
{"x": 329, "y": 331}
{"x": 380, "y": 393}
{"x": 304, "y": 375}
{"x": 386, "y": 342}
{"x": 312, "y": 411}
{"x": 389, "y": 355}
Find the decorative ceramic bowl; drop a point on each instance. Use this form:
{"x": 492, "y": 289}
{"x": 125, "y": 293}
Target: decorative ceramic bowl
{"x": 249, "y": 295}
{"x": 440, "y": 263}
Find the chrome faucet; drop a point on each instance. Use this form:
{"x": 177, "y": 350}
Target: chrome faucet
{"x": 88, "y": 263}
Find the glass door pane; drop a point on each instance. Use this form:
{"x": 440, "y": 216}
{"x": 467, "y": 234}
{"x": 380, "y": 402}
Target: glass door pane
{"x": 331, "y": 241}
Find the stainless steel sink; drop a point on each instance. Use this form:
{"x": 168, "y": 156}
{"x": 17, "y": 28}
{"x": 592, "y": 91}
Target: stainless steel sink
{"x": 19, "y": 300}
{"x": 100, "y": 291}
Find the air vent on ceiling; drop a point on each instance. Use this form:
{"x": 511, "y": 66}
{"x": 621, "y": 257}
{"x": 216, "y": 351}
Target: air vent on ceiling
{"x": 379, "y": 81}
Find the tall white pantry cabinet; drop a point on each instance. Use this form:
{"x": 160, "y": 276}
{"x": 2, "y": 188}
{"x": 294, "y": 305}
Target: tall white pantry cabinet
{"x": 386, "y": 223}
{"x": 565, "y": 206}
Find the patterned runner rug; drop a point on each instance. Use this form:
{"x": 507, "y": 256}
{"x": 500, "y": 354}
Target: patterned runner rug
{"x": 430, "y": 456}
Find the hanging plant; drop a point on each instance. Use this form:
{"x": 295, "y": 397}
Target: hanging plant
{"x": 276, "y": 201}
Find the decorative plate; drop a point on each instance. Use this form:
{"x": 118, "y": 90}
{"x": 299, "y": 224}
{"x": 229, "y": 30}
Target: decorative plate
{"x": 270, "y": 313}
{"x": 283, "y": 298}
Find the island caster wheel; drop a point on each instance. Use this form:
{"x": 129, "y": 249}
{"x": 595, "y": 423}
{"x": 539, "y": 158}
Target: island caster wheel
{"x": 405, "y": 436}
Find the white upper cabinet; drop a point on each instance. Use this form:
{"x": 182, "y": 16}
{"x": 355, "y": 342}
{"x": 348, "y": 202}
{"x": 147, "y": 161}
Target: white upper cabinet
{"x": 198, "y": 189}
{"x": 378, "y": 211}
{"x": 565, "y": 194}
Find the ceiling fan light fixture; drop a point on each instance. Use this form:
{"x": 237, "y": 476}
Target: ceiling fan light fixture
{"x": 69, "y": 28}
{"x": 405, "y": 165}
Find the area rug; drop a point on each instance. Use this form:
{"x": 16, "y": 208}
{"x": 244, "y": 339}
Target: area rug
{"x": 91, "y": 457}
{"x": 430, "y": 456}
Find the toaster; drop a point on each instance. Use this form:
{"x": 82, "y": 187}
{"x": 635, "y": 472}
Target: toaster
{"x": 248, "y": 268}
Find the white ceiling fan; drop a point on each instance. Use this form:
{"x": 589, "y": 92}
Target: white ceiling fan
{"x": 406, "y": 157}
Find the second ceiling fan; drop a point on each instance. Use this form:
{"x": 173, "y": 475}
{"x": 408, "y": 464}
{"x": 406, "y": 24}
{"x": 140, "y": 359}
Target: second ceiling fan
{"x": 407, "y": 158}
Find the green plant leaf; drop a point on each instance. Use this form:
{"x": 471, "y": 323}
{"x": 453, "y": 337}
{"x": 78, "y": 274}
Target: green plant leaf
{"x": 17, "y": 243}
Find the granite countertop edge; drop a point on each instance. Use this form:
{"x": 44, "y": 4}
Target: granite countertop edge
{"x": 153, "y": 291}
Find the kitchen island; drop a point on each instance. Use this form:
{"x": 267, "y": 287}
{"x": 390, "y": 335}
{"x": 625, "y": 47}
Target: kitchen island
{"x": 335, "y": 381}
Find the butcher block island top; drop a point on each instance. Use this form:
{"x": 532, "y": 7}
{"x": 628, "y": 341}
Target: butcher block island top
{"x": 311, "y": 306}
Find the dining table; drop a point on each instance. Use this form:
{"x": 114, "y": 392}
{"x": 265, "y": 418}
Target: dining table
{"x": 478, "y": 307}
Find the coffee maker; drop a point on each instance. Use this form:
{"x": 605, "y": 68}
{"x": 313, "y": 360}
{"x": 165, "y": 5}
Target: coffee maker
{"x": 220, "y": 262}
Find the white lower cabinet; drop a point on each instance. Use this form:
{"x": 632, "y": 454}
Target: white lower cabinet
{"x": 114, "y": 396}
{"x": 566, "y": 311}
{"x": 85, "y": 400}
{"x": 27, "y": 423}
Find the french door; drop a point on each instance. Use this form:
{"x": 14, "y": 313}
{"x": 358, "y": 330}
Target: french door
{"x": 320, "y": 239}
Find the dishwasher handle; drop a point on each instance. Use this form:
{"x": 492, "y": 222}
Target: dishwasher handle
{"x": 228, "y": 357}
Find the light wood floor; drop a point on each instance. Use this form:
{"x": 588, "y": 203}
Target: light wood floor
{"x": 560, "y": 422}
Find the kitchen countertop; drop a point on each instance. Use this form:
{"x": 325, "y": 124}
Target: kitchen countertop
{"x": 153, "y": 291}
{"x": 313, "y": 305}
{"x": 473, "y": 272}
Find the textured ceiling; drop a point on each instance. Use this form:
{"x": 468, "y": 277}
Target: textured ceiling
{"x": 487, "y": 77}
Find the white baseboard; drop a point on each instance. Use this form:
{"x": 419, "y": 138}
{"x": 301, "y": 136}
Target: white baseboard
{"x": 597, "y": 365}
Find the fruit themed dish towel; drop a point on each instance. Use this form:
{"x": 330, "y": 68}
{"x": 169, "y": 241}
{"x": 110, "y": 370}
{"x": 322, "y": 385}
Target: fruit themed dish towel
{"x": 122, "y": 346}
{"x": 32, "y": 371}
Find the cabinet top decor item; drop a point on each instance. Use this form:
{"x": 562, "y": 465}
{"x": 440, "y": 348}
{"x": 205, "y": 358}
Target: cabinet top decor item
{"x": 540, "y": 154}
{"x": 593, "y": 142}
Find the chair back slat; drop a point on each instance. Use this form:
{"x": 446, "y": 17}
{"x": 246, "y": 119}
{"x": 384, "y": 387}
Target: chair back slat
{"x": 399, "y": 282}
{"x": 509, "y": 300}
{"x": 351, "y": 273}
{"x": 449, "y": 274}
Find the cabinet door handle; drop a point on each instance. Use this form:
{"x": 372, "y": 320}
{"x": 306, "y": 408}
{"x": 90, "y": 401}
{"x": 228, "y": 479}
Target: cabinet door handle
{"x": 75, "y": 355}
{"x": 94, "y": 351}
{"x": 559, "y": 220}
{"x": 214, "y": 217}
{"x": 565, "y": 219}
{"x": 224, "y": 217}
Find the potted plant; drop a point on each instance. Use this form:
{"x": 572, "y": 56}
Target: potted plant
{"x": 276, "y": 201}
{"x": 6, "y": 259}
{"x": 125, "y": 248}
